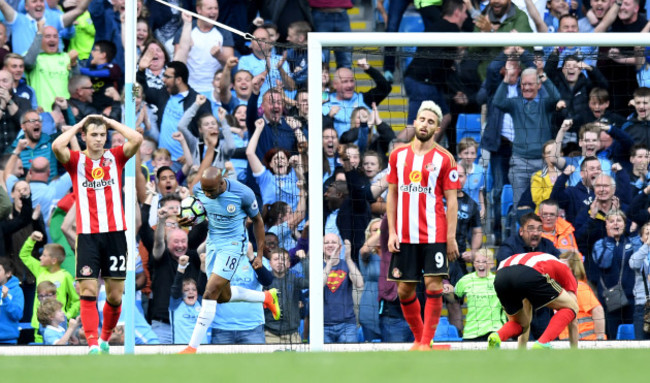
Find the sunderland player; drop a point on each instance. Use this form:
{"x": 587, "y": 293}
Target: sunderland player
{"x": 422, "y": 237}
{"x": 96, "y": 175}
{"x": 228, "y": 203}
{"x": 527, "y": 282}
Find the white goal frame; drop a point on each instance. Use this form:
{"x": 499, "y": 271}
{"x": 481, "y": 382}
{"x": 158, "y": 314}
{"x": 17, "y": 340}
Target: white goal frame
{"x": 316, "y": 42}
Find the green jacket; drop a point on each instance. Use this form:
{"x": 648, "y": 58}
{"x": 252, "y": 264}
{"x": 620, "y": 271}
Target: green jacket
{"x": 515, "y": 19}
{"x": 65, "y": 292}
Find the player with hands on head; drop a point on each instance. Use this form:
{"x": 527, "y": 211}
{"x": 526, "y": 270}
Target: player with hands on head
{"x": 96, "y": 176}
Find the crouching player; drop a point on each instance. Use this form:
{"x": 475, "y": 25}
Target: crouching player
{"x": 529, "y": 281}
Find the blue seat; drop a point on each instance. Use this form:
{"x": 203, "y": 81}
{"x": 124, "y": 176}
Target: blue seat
{"x": 468, "y": 125}
{"x": 446, "y": 332}
{"x": 411, "y": 22}
{"x": 378, "y": 18}
{"x": 506, "y": 200}
{"x": 625, "y": 332}
{"x": 360, "y": 337}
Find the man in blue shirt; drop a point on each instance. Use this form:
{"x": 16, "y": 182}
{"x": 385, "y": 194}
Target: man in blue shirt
{"x": 24, "y": 26}
{"x": 227, "y": 203}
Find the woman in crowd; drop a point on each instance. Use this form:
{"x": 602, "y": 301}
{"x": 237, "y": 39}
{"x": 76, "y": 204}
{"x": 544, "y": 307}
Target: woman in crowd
{"x": 541, "y": 184}
{"x": 591, "y": 314}
{"x": 369, "y": 265}
{"x": 611, "y": 256}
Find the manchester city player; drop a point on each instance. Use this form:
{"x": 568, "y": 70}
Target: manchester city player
{"x": 227, "y": 204}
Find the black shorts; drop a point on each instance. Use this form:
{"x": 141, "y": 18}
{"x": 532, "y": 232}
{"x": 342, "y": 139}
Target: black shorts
{"x": 102, "y": 251}
{"x": 415, "y": 260}
{"x": 514, "y": 283}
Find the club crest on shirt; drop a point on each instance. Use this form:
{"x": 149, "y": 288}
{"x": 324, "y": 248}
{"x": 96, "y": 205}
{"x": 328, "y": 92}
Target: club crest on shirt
{"x": 106, "y": 162}
{"x": 396, "y": 273}
{"x": 231, "y": 208}
{"x": 254, "y": 205}
{"x": 431, "y": 168}
{"x": 86, "y": 271}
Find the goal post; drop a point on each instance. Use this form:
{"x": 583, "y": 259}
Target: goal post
{"x": 316, "y": 42}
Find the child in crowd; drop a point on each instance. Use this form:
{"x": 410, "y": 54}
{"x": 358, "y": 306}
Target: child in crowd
{"x": 51, "y": 316}
{"x": 49, "y": 269}
{"x": 162, "y": 157}
{"x": 12, "y": 302}
{"x": 475, "y": 185}
{"x": 484, "y": 312}
{"x": 184, "y": 304}
{"x": 297, "y": 56}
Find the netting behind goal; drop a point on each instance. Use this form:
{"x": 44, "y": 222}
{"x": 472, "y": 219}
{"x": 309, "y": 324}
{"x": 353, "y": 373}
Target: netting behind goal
{"x": 485, "y": 142}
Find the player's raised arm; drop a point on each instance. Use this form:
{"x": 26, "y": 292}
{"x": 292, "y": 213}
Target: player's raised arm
{"x": 134, "y": 138}
{"x": 60, "y": 144}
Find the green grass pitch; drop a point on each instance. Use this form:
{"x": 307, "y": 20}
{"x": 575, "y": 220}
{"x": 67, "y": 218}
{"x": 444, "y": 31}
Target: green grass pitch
{"x": 611, "y": 366}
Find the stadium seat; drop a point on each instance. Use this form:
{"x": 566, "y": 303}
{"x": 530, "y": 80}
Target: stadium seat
{"x": 468, "y": 125}
{"x": 360, "y": 336}
{"x": 411, "y": 22}
{"x": 506, "y": 200}
{"x": 446, "y": 332}
{"x": 508, "y": 216}
{"x": 625, "y": 332}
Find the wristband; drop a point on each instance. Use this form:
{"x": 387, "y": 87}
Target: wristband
{"x": 183, "y": 267}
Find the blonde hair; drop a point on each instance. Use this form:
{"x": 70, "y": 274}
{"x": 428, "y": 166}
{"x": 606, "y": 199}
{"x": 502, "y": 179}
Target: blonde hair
{"x": 574, "y": 261}
{"x": 55, "y": 251}
{"x": 46, "y": 310}
{"x": 372, "y": 222}
{"x": 487, "y": 253}
{"x": 431, "y": 107}
{"x": 467, "y": 142}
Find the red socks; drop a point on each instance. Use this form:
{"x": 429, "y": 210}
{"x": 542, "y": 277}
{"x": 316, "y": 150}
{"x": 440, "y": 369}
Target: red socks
{"x": 509, "y": 330}
{"x": 411, "y": 310}
{"x": 559, "y": 322}
{"x": 111, "y": 316}
{"x": 89, "y": 319}
{"x": 432, "y": 309}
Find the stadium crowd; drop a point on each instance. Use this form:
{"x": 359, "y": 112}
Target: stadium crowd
{"x": 567, "y": 127}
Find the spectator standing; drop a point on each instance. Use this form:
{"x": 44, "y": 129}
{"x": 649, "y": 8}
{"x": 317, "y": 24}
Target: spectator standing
{"x": 49, "y": 269}
{"x": 182, "y": 96}
{"x": 555, "y": 228}
{"x": 531, "y": 113}
{"x": 291, "y": 284}
{"x": 640, "y": 263}
{"x": 12, "y": 107}
{"x": 611, "y": 255}
{"x": 48, "y": 69}
{"x": 591, "y": 315}
{"x": 484, "y": 312}
{"x": 340, "y": 322}
{"x": 15, "y": 64}
{"x": 11, "y": 303}
{"x": 426, "y": 77}
{"x": 204, "y": 47}
{"x": 332, "y": 16}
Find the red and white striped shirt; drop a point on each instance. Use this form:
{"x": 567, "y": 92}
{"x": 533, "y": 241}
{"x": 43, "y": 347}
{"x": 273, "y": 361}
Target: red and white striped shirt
{"x": 421, "y": 182}
{"x": 97, "y": 186}
{"x": 545, "y": 264}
